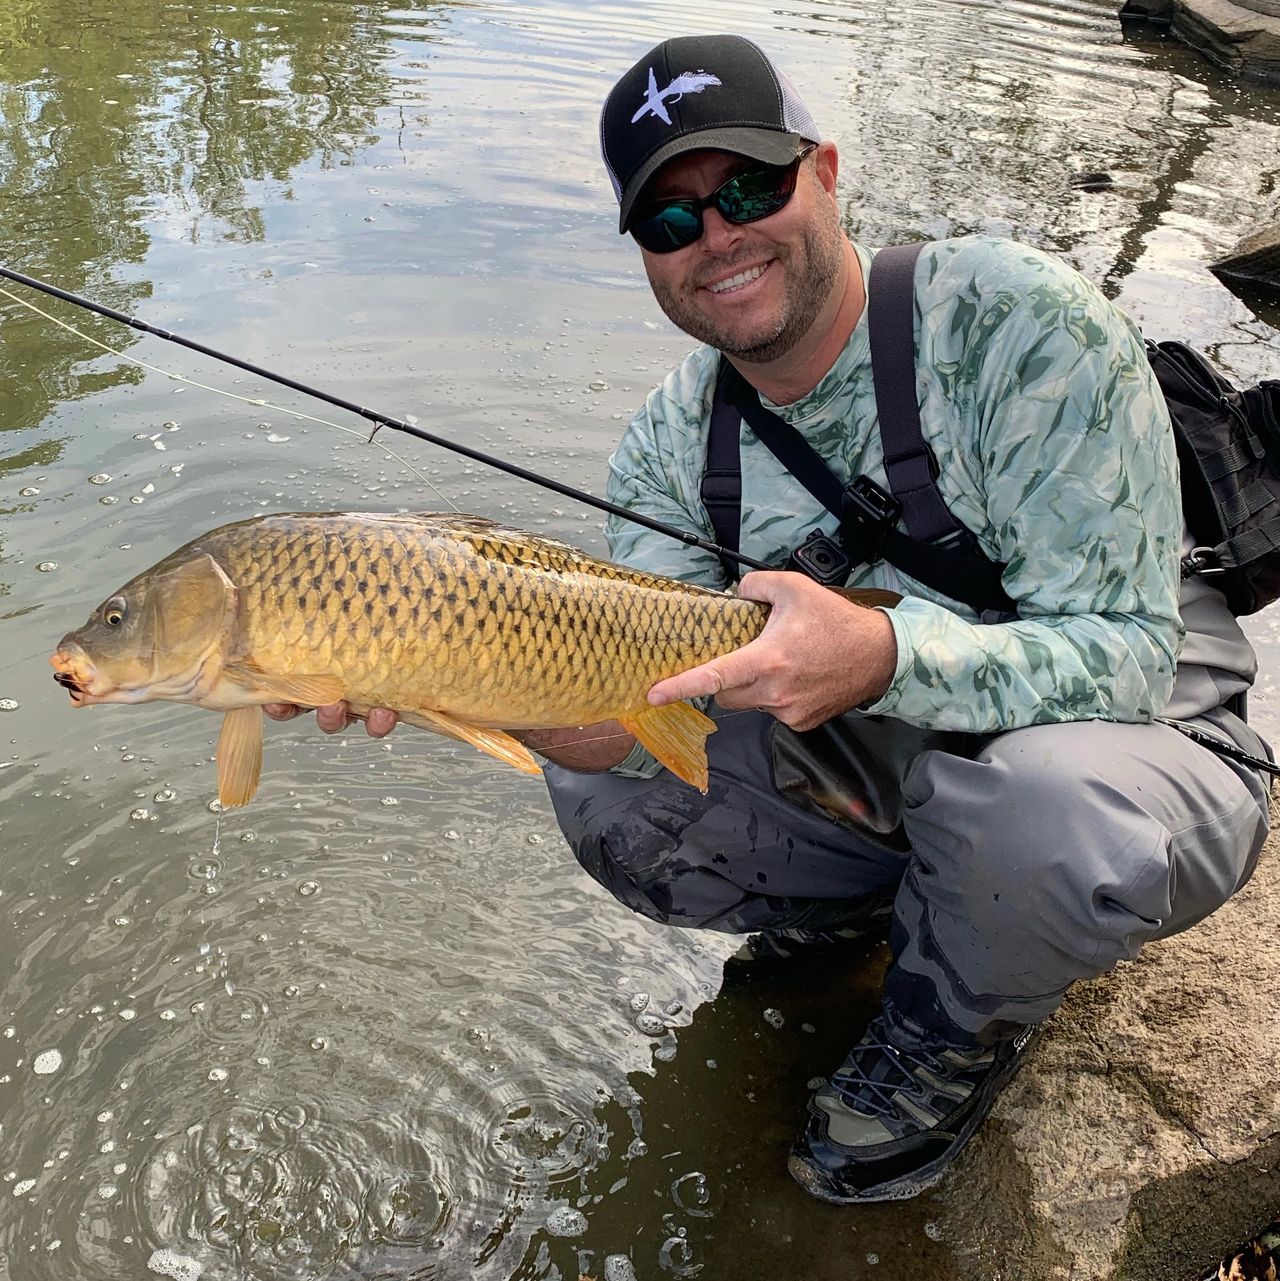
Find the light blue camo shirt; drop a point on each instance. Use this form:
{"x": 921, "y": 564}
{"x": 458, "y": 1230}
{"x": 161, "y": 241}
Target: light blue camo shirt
{"x": 1054, "y": 447}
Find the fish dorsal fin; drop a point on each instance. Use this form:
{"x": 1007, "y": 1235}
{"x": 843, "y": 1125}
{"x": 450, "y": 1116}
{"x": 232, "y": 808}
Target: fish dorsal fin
{"x": 493, "y": 741}
{"x": 239, "y": 756}
{"x": 677, "y": 735}
{"x": 869, "y": 597}
{"x": 306, "y": 690}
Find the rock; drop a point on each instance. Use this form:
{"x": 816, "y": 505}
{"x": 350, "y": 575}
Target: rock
{"x": 1142, "y": 1140}
{"x": 1241, "y": 35}
{"x": 1255, "y": 257}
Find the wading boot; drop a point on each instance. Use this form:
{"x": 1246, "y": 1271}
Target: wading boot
{"x": 892, "y": 1119}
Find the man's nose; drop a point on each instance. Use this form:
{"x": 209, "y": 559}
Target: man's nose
{"x": 718, "y": 233}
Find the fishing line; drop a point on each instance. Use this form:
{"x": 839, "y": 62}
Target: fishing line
{"x": 230, "y": 395}
{"x": 384, "y": 420}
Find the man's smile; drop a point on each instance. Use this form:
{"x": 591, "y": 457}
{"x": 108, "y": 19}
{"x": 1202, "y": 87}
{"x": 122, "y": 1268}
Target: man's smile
{"x": 738, "y": 280}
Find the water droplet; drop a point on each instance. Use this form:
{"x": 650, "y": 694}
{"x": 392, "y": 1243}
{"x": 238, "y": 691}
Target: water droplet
{"x": 100, "y": 478}
{"x": 47, "y": 566}
{"x": 308, "y": 888}
{"x": 8, "y": 704}
{"x": 774, "y": 1018}
{"x": 565, "y": 1221}
{"x": 46, "y": 1062}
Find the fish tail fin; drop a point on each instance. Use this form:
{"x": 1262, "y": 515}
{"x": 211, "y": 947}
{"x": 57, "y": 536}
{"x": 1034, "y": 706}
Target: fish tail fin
{"x": 677, "y": 735}
{"x": 239, "y": 756}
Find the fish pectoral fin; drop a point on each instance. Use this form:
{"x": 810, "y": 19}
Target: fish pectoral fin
{"x": 677, "y": 735}
{"x": 870, "y": 597}
{"x": 493, "y": 741}
{"x": 304, "y": 690}
{"x": 239, "y": 756}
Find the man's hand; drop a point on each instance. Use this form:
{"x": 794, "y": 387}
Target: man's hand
{"x": 819, "y": 655}
{"x": 335, "y": 717}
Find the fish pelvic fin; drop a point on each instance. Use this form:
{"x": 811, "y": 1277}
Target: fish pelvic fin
{"x": 316, "y": 690}
{"x": 498, "y": 744}
{"x": 239, "y": 756}
{"x": 869, "y": 597}
{"x": 677, "y": 735}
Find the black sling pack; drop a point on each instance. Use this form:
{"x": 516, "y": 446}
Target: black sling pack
{"x": 1228, "y": 443}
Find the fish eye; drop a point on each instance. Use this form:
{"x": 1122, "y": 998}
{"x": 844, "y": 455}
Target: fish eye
{"x": 113, "y": 612}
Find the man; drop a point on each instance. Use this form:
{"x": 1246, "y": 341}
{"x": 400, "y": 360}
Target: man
{"x": 997, "y": 784}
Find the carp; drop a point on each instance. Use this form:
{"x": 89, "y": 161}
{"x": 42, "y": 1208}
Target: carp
{"x": 460, "y": 625}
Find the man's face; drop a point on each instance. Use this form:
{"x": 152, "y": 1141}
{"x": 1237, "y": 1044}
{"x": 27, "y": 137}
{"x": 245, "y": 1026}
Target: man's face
{"x": 751, "y": 290}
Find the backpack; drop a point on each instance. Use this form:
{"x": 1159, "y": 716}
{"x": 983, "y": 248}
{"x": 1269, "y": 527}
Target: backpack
{"x": 1228, "y": 444}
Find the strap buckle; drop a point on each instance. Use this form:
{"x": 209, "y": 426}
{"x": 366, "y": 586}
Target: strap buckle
{"x": 1202, "y": 561}
{"x": 867, "y": 513}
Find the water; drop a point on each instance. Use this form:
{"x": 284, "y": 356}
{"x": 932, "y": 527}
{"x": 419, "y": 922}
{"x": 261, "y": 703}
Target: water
{"x": 377, "y": 1024}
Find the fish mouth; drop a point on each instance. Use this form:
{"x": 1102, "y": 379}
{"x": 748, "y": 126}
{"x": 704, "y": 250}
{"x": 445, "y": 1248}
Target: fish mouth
{"x": 75, "y": 673}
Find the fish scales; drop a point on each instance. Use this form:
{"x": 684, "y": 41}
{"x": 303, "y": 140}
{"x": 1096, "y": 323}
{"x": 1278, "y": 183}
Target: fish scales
{"x": 389, "y": 608}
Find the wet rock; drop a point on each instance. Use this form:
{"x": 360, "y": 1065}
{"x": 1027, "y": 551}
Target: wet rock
{"x": 1256, "y": 257}
{"x": 1142, "y": 1140}
{"x": 1240, "y": 35}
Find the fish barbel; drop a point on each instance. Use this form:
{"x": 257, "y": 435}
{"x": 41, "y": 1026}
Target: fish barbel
{"x": 460, "y": 625}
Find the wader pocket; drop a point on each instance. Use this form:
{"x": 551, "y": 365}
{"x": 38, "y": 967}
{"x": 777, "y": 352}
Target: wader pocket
{"x": 850, "y": 770}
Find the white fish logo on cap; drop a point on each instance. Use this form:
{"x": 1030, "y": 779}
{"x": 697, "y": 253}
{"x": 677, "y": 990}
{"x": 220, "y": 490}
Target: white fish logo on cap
{"x": 685, "y": 82}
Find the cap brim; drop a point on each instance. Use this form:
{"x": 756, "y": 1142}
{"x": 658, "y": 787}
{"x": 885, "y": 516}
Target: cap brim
{"x": 770, "y": 146}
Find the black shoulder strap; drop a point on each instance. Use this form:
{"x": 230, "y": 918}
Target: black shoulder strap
{"x": 722, "y": 477}
{"x": 908, "y": 461}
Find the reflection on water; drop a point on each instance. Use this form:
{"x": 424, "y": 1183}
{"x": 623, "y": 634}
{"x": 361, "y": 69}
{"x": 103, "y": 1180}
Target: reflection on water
{"x": 375, "y": 1025}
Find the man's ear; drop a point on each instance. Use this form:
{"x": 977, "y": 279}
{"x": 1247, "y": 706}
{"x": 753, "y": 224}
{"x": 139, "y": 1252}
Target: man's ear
{"x": 826, "y": 164}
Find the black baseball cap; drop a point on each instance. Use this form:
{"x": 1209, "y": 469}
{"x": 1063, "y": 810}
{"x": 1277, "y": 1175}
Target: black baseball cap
{"x": 691, "y": 92}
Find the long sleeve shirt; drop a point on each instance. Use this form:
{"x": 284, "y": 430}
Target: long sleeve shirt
{"x": 1053, "y": 446}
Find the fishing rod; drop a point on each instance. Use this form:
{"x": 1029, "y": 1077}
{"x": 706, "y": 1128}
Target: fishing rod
{"x": 385, "y": 420}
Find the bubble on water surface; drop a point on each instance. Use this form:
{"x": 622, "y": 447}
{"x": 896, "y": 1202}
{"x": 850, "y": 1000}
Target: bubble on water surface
{"x": 108, "y": 500}
{"x": 933, "y": 1231}
{"x": 215, "y": 806}
{"x": 8, "y": 704}
{"x": 650, "y": 1024}
{"x": 23, "y": 1186}
{"x": 218, "y": 1074}
{"x": 47, "y": 1062}
{"x": 108, "y": 1191}
{"x": 100, "y": 478}
{"x": 163, "y": 795}
{"x": 390, "y": 800}
{"x": 168, "y": 1263}
{"x": 318, "y": 1043}
{"x": 617, "y": 1267}
{"x": 598, "y": 385}
{"x": 639, "y": 1002}
{"x": 308, "y": 888}
{"x": 47, "y": 566}
{"x": 30, "y": 492}
{"x": 565, "y": 1221}
{"x": 276, "y": 439}
{"x": 140, "y": 814}
{"x": 774, "y": 1018}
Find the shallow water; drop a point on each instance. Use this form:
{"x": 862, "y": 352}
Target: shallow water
{"x": 378, "y": 1024}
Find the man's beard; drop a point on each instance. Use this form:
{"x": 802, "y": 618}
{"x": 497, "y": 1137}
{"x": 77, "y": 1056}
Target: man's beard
{"x": 807, "y": 291}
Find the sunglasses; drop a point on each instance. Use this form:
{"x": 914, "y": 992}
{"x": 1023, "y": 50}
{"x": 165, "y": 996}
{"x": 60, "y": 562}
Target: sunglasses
{"x": 748, "y": 196}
